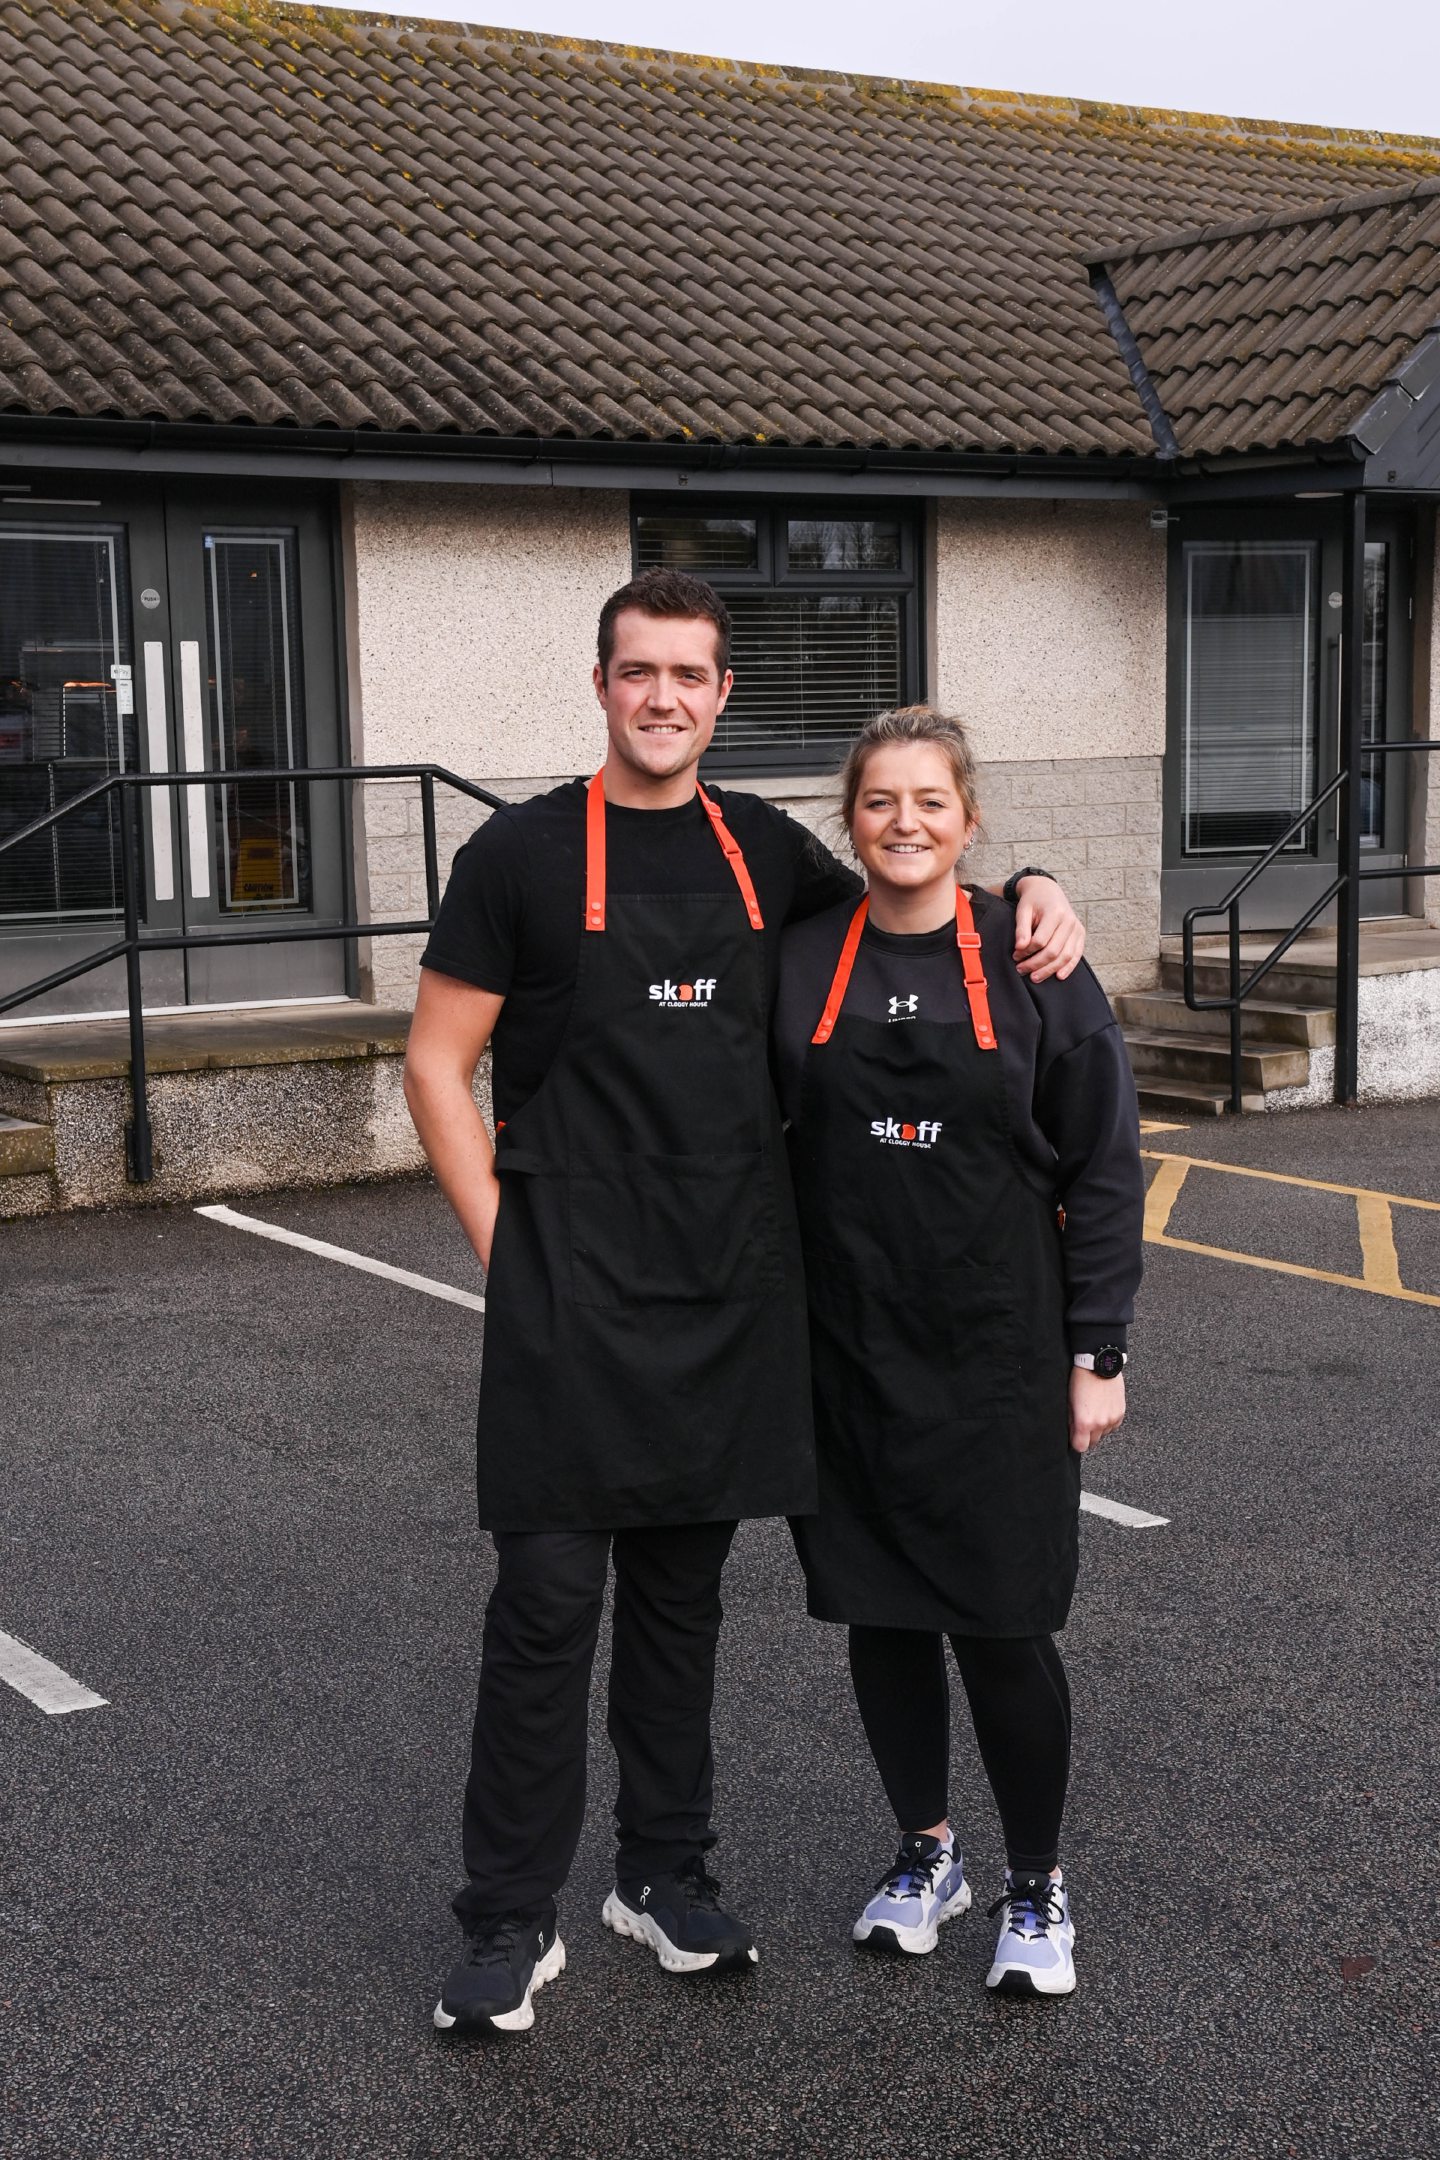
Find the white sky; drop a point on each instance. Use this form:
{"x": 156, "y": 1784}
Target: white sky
{"x": 1334, "y": 63}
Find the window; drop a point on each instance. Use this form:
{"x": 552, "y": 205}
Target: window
{"x": 257, "y": 719}
{"x": 1373, "y": 702}
{"x": 67, "y": 717}
{"x": 824, "y": 603}
{"x": 1249, "y": 740}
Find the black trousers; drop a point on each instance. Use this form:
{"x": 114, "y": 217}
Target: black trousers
{"x": 525, "y": 1796}
{"x": 1020, "y": 1704}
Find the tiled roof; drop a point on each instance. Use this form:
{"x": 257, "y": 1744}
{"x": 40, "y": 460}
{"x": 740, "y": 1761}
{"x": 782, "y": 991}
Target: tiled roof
{"x": 1282, "y": 330}
{"x": 276, "y": 215}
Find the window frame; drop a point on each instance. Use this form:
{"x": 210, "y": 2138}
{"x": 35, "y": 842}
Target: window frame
{"x": 774, "y": 574}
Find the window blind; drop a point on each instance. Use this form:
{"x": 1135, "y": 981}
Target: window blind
{"x": 809, "y": 669}
{"x": 822, "y": 604}
{"x": 1249, "y": 749}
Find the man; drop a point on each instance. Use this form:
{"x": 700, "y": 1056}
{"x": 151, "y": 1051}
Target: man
{"x": 645, "y": 1384}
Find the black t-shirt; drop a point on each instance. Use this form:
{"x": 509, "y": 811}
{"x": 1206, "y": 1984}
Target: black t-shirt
{"x": 510, "y": 920}
{"x": 1073, "y": 1115}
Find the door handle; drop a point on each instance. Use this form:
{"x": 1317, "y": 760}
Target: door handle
{"x": 192, "y": 721}
{"x": 157, "y": 745}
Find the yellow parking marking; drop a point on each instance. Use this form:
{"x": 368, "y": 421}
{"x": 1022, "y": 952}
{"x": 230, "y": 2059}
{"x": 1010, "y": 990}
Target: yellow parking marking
{"x": 1164, "y": 1192}
{"x": 1374, "y": 1221}
{"x": 1151, "y": 1125}
{"x": 1280, "y": 1177}
{"x": 1377, "y": 1242}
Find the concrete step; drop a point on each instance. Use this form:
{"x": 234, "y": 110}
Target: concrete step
{"x": 1290, "y": 981}
{"x": 25, "y": 1148}
{"x": 247, "y": 1101}
{"x": 1188, "y": 1098}
{"x": 1206, "y": 1059}
{"x": 1164, "y": 1012}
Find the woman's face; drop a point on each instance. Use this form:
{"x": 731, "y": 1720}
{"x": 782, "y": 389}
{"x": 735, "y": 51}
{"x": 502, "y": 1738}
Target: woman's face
{"x": 910, "y": 824}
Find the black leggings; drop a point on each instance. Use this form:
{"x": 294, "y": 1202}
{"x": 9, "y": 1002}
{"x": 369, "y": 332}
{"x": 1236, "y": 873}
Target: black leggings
{"x": 1020, "y": 1706}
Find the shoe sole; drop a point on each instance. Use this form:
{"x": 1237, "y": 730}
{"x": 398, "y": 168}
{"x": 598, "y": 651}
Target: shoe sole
{"x": 643, "y": 1928}
{"x": 882, "y": 1941}
{"x": 505, "y": 2022}
{"x": 1019, "y": 1980}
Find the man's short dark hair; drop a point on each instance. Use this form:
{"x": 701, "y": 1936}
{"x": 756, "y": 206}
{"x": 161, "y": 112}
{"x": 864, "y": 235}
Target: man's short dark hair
{"x": 667, "y": 592}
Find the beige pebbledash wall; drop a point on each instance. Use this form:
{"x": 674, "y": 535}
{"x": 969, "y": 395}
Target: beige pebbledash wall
{"x": 470, "y": 626}
{"x": 1049, "y": 640}
{"x": 470, "y": 621}
{"x": 1047, "y": 635}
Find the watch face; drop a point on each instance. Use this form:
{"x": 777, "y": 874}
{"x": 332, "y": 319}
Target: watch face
{"x": 1109, "y": 1363}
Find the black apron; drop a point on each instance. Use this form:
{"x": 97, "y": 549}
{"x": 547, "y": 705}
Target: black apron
{"x": 645, "y": 1343}
{"x": 949, "y": 1494}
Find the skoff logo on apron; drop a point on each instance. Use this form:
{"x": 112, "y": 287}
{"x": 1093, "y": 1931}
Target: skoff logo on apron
{"x": 896, "y": 1133}
{"x": 691, "y": 995}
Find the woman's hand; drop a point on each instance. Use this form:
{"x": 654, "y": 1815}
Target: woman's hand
{"x": 1096, "y": 1407}
{"x": 1049, "y": 935}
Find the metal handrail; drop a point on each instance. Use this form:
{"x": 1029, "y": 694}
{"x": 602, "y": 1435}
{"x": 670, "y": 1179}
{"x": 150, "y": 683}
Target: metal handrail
{"x": 1230, "y": 907}
{"x": 139, "y": 1145}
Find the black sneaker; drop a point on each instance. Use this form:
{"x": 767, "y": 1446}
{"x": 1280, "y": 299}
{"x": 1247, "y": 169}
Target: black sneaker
{"x": 504, "y": 1962}
{"x": 680, "y": 1917}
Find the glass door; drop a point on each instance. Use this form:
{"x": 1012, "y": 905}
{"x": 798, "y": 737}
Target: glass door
{"x": 254, "y": 672}
{"x": 1255, "y": 628}
{"x": 184, "y": 627}
{"x": 72, "y": 715}
{"x": 1385, "y": 713}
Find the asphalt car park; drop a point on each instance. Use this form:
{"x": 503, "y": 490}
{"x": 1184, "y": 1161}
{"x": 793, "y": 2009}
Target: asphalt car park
{"x": 239, "y": 1513}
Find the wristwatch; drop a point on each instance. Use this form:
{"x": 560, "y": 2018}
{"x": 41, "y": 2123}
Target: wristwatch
{"x": 1107, "y": 1363}
{"x": 1010, "y": 890}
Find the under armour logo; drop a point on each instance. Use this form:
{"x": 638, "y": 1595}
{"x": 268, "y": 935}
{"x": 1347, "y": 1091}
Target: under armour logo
{"x": 907, "y": 1005}
{"x": 645, "y": 1893}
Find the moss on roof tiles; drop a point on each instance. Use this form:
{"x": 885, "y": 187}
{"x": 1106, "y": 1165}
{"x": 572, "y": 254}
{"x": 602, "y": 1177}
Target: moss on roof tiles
{"x": 363, "y": 114}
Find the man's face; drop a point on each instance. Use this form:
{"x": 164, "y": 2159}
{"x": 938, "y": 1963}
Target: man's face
{"x": 663, "y": 692}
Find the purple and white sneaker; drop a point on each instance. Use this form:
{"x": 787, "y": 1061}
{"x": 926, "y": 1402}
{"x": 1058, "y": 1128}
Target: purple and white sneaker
{"x": 925, "y": 1887}
{"x": 1037, "y": 1936}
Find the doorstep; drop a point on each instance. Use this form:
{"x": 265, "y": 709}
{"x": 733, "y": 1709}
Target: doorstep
{"x": 1398, "y": 945}
{"x": 71, "y": 1050}
{"x": 250, "y": 1101}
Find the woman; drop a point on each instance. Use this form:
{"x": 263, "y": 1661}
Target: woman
{"x": 966, "y": 1158}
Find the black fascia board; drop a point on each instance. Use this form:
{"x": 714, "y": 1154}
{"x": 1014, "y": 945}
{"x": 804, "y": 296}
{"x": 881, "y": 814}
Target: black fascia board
{"x": 335, "y": 453}
{"x": 41, "y": 442}
{"x": 1274, "y": 477}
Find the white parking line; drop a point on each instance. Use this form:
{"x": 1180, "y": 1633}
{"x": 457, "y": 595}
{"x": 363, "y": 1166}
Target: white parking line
{"x": 1112, "y": 1510}
{"x": 362, "y": 1261}
{"x": 50, "y": 1689}
{"x": 1134, "y": 1518}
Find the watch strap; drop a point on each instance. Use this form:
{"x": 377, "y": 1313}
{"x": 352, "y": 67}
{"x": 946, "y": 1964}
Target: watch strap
{"x": 1011, "y": 887}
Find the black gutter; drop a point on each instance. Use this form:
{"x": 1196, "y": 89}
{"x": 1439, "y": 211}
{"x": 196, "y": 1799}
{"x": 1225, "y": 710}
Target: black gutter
{"x": 137, "y": 446}
{"x": 238, "y": 439}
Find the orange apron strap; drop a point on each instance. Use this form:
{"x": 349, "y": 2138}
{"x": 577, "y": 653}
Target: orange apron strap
{"x": 595, "y": 856}
{"x": 843, "y": 967}
{"x": 967, "y": 937}
{"x": 734, "y": 857}
{"x": 595, "y": 853}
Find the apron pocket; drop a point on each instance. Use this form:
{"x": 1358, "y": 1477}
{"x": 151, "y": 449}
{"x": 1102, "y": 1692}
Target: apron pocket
{"x": 914, "y": 1350}
{"x": 675, "y": 1230}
